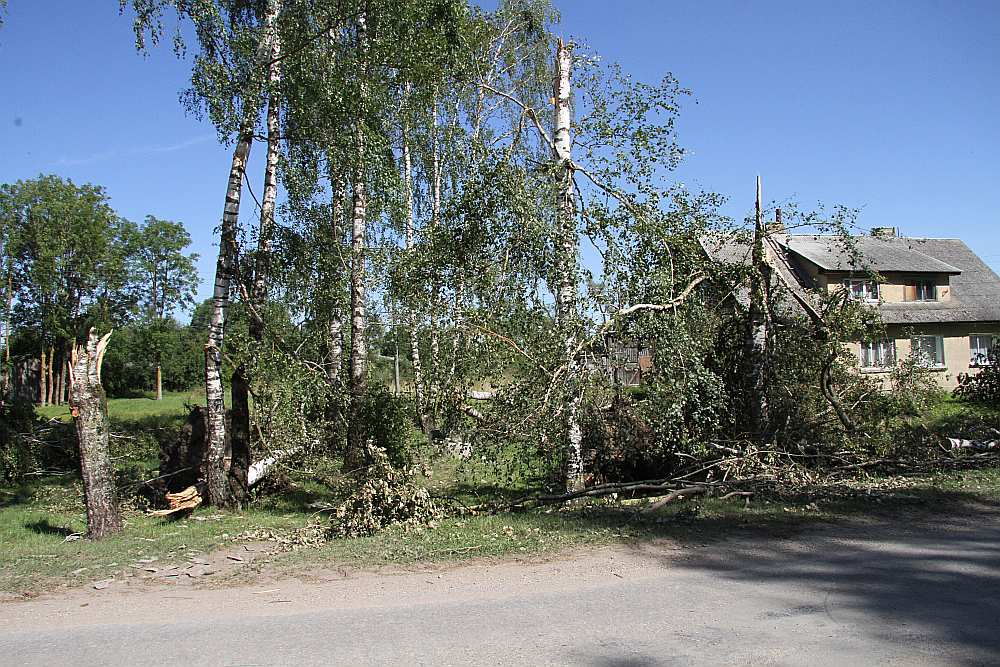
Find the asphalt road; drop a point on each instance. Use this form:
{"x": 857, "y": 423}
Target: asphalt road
{"x": 881, "y": 592}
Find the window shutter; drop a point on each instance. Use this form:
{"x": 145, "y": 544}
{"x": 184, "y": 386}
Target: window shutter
{"x": 910, "y": 293}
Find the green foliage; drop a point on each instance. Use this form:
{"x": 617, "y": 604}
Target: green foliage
{"x": 131, "y": 360}
{"x": 914, "y": 387}
{"x": 30, "y": 446}
{"x": 984, "y": 386}
{"x": 384, "y": 496}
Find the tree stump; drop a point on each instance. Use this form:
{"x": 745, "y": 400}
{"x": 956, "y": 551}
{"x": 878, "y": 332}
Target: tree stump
{"x": 89, "y": 406}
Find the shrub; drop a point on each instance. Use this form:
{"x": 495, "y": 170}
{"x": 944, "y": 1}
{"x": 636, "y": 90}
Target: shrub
{"x": 29, "y": 445}
{"x": 984, "y": 386}
{"x": 386, "y": 496}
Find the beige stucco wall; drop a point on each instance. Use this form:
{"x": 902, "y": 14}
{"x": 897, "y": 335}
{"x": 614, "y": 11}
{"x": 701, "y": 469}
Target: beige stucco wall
{"x": 893, "y": 290}
{"x": 955, "y": 341}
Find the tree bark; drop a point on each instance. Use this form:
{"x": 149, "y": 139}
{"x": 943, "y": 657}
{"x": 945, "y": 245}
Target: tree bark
{"x": 42, "y": 380}
{"x": 159, "y": 382}
{"x": 357, "y": 431}
{"x": 90, "y": 412}
{"x": 335, "y": 324}
{"x": 61, "y": 377}
{"x": 216, "y": 482}
{"x": 434, "y": 389}
{"x": 50, "y": 380}
{"x": 418, "y": 372}
{"x": 216, "y": 476}
{"x": 567, "y": 248}
{"x": 757, "y": 345}
{"x": 240, "y": 438}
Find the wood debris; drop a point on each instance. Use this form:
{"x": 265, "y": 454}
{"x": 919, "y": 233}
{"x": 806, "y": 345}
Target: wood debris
{"x": 187, "y": 499}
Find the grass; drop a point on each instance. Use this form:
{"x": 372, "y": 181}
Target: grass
{"x": 173, "y": 404}
{"x": 37, "y": 516}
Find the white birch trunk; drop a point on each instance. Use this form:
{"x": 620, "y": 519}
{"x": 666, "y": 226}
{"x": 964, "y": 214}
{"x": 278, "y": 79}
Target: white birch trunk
{"x": 335, "y": 323}
{"x": 357, "y": 429}
{"x": 568, "y": 251}
{"x": 216, "y": 481}
{"x": 435, "y": 384}
{"x": 418, "y": 373}
{"x": 357, "y": 432}
{"x": 90, "y": 414}
{"x": 215, "y": 473}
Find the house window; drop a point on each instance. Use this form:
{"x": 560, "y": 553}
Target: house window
{"x": 878, "y": 353}
{"x": 921, "y": 290}
{"x": 928, "y": 351}
{"x": 980, "y": 346}
{"x": 862, "y": 290}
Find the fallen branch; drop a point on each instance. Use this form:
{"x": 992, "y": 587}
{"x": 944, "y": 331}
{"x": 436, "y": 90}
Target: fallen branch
{"x": 649, "y": 487}
{"x": 679, "y": 494}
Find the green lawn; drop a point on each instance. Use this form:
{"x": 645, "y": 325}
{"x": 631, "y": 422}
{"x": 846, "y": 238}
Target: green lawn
{"x": 133, "y": 409}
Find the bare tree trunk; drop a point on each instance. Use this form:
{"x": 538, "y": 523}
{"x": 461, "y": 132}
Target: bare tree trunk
{"x": 43, "y": 386}
{"x": 216, "y": 479}
{"x": 434, "y": 391}
{"x": 159, "y": 382}
{"x": 418, "y": 373}
{"x": 567, "y": 252}
{"x": 60, "y": 377}
{"x": 758, "y": 333}
{"x": 5, "y": 389}
{"x": 90, "y": 411}
{"x": 241, "y": 450}
{"x": 216, "y": 476}
{"x": 357, "y": 431}
{"x": 50, "y": 380}
{"x": 335, "y": 326}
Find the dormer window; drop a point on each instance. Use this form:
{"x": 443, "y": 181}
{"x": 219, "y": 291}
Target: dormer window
{"x": 861, "y": 289}
{"x": 921, "y": 290}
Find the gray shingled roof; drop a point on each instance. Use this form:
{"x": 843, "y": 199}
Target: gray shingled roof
{"x": 975, "y": 292}
{"x": 874, "y": 253}
{"x": 975, "y": 288}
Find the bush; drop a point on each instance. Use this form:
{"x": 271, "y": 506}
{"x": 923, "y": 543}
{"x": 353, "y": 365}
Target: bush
{"x": 386, "y": 496}
{"x": 389, "y": 424}
{"x": 914, "y": 389}
{"x": 29, "y": 445}
{"x": 984, "y": 386}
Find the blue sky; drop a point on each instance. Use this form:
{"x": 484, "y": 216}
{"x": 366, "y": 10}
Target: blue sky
{"x": 892, "y": 107}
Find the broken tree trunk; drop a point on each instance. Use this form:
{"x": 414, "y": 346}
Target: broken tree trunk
{"x": 757, "y": 342}
{"x": 90, "y": 412}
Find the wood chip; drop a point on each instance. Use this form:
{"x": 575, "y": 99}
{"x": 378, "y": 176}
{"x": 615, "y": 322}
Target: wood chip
{"x": 104, "y": 583}
{"x": 235, "y": 558}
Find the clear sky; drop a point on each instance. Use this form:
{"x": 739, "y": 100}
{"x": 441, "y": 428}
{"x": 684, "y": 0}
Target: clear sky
{"x": 889, "y": 106}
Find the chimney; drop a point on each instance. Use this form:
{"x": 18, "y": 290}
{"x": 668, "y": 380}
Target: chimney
{"x": 777, "y": 225}
{"x": 884, "y": 232}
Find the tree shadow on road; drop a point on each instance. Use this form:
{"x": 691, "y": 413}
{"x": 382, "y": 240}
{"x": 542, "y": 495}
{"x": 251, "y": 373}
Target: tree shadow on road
{"x": 932, "y": 575}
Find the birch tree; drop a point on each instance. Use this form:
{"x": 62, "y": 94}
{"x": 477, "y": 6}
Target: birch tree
{"x": 89, "y": 406}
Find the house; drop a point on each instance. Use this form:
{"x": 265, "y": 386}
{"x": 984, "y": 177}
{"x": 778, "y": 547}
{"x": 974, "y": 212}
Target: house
{"x": 938, "y": 300}
{"x": 626, "y": 362}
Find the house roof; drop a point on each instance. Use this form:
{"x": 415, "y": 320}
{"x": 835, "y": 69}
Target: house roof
{"x": 975, "y": 292}
{"x": 975, "y": 288}
{"x": 866, "y": 253}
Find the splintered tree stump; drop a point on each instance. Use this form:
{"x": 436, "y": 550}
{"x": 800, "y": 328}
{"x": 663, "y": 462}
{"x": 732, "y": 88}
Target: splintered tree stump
{"x": 182, "y": 460}
{"x": 187, "y": 499}
{"x": 89, "y": 407}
